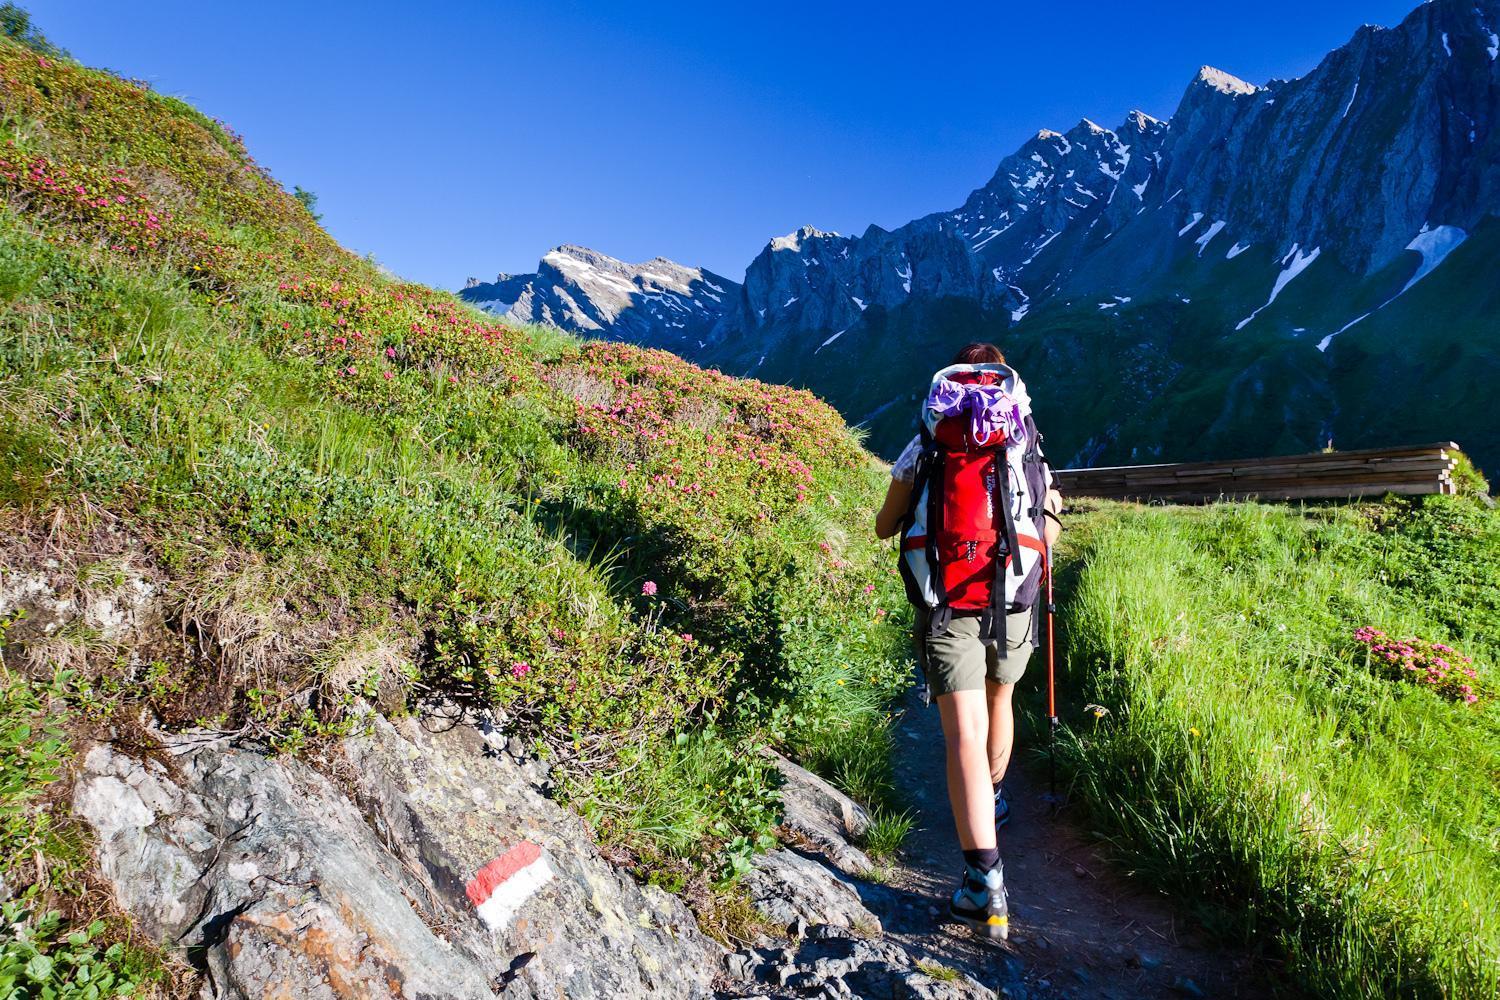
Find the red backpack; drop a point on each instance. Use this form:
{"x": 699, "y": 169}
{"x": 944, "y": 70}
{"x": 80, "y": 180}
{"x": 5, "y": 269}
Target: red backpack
{"x": 972, "y": 542}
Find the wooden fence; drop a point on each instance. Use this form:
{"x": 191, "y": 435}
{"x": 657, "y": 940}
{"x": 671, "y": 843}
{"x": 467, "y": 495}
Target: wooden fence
{"x": 1331, "y": 475}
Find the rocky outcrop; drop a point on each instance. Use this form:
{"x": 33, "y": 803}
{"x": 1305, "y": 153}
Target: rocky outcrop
{"x": 278, "y": 881}
{"x": 827, "y": 819}
{"x": 830, "y": 963}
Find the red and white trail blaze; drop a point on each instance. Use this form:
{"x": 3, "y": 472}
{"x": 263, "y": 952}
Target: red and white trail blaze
{"x": 500, "y": 887}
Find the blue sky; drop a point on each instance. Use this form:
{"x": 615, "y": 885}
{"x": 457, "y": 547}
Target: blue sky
{"x": 469, "y": 138}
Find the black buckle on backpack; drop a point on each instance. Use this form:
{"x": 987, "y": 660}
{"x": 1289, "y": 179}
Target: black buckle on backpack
{"x": 939, "y": 619}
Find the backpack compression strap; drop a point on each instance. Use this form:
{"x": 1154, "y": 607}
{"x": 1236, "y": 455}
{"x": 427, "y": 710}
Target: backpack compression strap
{"x": 929, "y": 471}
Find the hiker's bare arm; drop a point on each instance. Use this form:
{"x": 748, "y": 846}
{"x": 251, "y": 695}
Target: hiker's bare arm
{"x": 1051, "y": 527}
{"x": 888, "y": 521}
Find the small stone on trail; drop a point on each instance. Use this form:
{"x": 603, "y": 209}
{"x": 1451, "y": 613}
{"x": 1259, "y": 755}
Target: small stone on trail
{"x": 740, "y": 965}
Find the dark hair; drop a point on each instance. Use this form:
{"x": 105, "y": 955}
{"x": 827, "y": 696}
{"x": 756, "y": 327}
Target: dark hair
{"x": 978, "y": 354}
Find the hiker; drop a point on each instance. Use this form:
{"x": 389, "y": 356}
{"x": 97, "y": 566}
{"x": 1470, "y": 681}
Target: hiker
{"x": 976, "y": 471}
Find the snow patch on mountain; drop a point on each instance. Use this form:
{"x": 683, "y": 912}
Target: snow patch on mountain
{"x": 1208, "y": 236}
{"x": 1434, "y": 245}
{"x": 1295, "y": 262}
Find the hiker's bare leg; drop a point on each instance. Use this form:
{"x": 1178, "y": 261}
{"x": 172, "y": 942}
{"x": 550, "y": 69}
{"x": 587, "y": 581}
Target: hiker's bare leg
{"x": 1002, "y": 732}
{"x": 966, "y": 728}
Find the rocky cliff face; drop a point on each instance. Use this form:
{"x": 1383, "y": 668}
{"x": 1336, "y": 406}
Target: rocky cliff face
{"x": 1225, "y": 283}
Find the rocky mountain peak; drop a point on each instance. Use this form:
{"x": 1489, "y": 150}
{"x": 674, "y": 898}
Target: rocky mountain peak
{"x": 1224, "y": 83}
{"x": 794, "y": 240}
{"x": 659, "y": 302}
{"x": 1138, "y": 121}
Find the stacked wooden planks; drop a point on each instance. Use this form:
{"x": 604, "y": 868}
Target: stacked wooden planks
{"x": 1330, "y": 475}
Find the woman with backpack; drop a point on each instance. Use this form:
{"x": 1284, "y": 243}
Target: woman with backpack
{"x": 972, "y": 498}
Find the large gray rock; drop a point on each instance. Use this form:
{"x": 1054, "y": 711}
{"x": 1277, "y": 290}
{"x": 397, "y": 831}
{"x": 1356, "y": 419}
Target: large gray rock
{"x": 279, "y": 882}
{"x": 827, "y": 818}
{"x": 788, "y": 887}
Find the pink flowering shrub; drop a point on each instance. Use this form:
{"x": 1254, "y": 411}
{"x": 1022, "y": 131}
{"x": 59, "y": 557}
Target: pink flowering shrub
{"x": 1427, "y": 664}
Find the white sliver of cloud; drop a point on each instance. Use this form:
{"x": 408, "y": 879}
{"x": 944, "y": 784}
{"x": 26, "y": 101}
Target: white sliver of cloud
{"x": 1236, "y": 250}
{"x": 1352, "y": 95}
{"x": 1298, "y": 263}
{"x": 1197, "y": 218}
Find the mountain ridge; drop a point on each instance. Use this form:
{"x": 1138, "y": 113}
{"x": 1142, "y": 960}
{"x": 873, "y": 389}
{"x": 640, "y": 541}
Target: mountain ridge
{"x": 1251, "y": 245}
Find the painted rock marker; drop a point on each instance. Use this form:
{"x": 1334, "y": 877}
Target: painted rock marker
{"x": 499, "y": 888}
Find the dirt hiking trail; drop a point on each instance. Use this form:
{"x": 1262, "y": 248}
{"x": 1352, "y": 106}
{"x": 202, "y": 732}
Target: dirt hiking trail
{"x": 1079, "y": 929}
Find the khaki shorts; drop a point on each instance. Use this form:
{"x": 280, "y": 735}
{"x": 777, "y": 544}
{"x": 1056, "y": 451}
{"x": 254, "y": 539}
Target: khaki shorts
{"x": 958, "y": 661}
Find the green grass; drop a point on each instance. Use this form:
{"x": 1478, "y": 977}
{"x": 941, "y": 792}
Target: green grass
{"x": 936, "y": 970}
{"x": 1256, "y": 766}
{"x": 41, "y": 952}
{"x": 887, "y": 831}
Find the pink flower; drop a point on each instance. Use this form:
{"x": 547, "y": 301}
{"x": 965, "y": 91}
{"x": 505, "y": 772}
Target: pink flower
{"x": 520, "y": 669}
{"x": 649, "y": 588}
{"x": 390, "y": 352}
{"x": 869, "y": 588}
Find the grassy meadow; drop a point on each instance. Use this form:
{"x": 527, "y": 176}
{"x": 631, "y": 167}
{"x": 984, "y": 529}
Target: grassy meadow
{"x": 1253, "y": 757}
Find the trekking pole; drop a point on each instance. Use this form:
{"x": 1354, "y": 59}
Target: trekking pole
{"x": 1051, "y": 681}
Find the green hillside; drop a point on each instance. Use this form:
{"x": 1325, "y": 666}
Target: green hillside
{"x": 349, "y": 486}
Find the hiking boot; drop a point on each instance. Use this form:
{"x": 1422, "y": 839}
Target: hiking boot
{"x": 980, "y": 903}
{"x": 1002, "y": 808}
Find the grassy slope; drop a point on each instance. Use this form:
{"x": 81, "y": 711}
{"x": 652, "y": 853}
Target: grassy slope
{"x": 1250, "y": 751}
{"x": 339, "y": 473}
